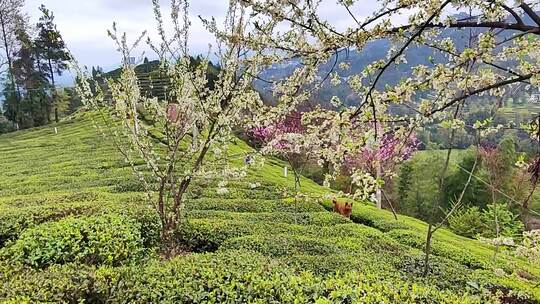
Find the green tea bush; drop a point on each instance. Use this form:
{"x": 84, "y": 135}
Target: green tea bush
{"x": 49, "y": 198}
{"x": 331, "y": 264}
{"x": 374, "y": 219}
{"x": 235, "y": 193}
{"x": 417, "y": 240}
{"x": 354, "y": 287}
{"x": 15, "y": 220}
{"x": 370, "y": 216}
{"x": 315, "y": 241}
{"x": 145, "y": 216}
{"x": 205, "y": 235}
{"x": 108, "y": 239}
{"x": 71, "y": 283}
{"x": 444, "y": 273}
{"x": 208, "y": 234}
{"x": 301, "y": 218}
{"x": 237, "y": 184}
{"x": 282, "y": 245}
{"x": 252, "y": 205}
{"x": 226, "y": 277}
{"x": 368, "y": 242}
{"x": 128, "y": 185}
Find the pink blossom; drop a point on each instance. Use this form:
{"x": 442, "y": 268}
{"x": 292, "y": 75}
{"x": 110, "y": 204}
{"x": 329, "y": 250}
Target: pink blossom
{"x": 275, "y": 134}
{"x": 389, "y": 151}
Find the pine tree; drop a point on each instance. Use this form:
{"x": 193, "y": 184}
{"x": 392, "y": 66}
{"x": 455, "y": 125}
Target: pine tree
{"x": 10, "y": 15}
{"x": 53, "y": 55}
{"x": 30, "y": 78}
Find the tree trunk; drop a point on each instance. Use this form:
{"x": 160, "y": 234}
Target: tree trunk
{"x": 48, "y": 110}
{"x": 440, "y": 199}
{"x": 378, "y": 193}
{"x": 168, "y": 240}
{"x": 296, "y": 189}
{"x": 54, "y": 95}
{"x": 427, "y": 249}
{"x": 496, "y": 218}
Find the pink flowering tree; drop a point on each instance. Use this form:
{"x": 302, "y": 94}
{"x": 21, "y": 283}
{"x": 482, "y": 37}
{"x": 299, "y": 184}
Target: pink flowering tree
{"x": 285, "y": 139}
{"x": 380, "y": 158}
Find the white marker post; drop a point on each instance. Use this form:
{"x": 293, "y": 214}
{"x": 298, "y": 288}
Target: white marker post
{"x": 285, "y": 171}
{"x": 55, "y": 130}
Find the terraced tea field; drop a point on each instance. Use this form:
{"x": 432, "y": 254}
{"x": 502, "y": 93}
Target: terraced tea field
{"x": 75, "y": 227}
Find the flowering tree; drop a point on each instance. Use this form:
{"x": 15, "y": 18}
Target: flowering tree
{"x": 381, "y": 158}
{"x": 175, "y": 135}
{"x": 286, "y": 139}
{"x": 494, "y": 61}
{"x": 505, "y": 53}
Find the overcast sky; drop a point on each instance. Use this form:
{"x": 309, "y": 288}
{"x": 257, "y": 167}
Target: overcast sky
{"x": 84, "y": 23}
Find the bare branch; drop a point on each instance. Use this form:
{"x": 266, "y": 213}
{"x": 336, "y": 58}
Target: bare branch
{"x": 530, "y": 29}
{"x": 481, "y": 90}
{"x": 528, "y": 10}
{"x": 513, "y": 13}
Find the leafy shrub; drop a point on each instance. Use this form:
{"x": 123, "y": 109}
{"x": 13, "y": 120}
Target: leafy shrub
{"x": 145, "y": 216}
{"x": 69, "y": 283}
{"x": 252, "y": 205}
{"x": 372, "y": 217}
{"x": 109, "y": 239}
{"x": 204, "y": 235}
{"x": 301, "y": 218}
{"x": 467, "y": 222}
{"x": 282, "y": 245}
{"x": 509, "y": 224}
{"x": 15, "y": 220}
{"x": 417, "y": 240}
{"x": 331, "y": 264}
{"x": 472, "y": 222}
{"x": 444, "y": 273}
{"x": 235, "y": 193}
{"x": 226, "y": 277}
{"x": 208, "y": 234}
{"x": 49, "y": 198}
{"x": 128, "y": 185}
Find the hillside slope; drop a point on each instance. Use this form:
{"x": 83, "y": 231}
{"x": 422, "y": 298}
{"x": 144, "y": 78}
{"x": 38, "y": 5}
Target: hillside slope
{"x": 74, "y": 226}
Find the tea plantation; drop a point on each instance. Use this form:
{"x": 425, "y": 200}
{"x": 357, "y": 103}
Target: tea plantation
{"x": 75, "y": 227}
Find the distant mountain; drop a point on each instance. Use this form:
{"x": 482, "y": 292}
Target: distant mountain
{"x": 359, "y": 59}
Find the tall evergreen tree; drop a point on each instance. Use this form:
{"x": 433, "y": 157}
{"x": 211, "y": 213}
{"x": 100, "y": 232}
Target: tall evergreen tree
{"x": 52, "y": 55}
{"x": 10, "y": 16}
{"x": 30, "y": 78}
